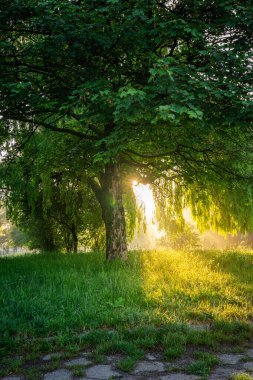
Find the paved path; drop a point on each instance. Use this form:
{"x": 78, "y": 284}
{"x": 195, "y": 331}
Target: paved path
{"x": 153, "y": 367}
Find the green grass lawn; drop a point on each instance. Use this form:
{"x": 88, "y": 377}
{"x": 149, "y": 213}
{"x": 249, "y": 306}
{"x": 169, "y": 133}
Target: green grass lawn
{"x": 121, "y": 304}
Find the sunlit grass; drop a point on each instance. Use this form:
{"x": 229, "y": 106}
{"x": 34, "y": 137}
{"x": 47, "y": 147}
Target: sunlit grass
{"x": 203, "y": 286}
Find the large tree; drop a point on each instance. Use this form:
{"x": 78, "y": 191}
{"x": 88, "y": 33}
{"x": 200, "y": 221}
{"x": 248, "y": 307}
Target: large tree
{"x": 164, "y": 87}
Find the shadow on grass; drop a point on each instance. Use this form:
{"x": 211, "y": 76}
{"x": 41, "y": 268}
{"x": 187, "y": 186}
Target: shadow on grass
{"x": 45, "y": 294}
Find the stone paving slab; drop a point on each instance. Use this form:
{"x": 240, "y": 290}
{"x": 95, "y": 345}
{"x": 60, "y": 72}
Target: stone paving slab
{"x": 153, "y": 356}
{"x": 59, "y": 374}
{"x": 54, "y": 355}
{"x": 146, "y": 366}
{"x": 179, "y": 376}
{"x": 248, "y": 366}
{"x": 114, "y": 358}
{"x": 102, "y": 372}
{"x": 78, "y": 361}
{"x": 230, "y": 358}
{"x": 140, "y": 378}
{"x": 250, "y": 352}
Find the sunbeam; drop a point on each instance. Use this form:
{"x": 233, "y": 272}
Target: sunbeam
{"x": 145, "y": 201}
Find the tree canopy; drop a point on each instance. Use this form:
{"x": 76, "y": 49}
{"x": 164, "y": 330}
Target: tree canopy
{"x": 154, "y": 90}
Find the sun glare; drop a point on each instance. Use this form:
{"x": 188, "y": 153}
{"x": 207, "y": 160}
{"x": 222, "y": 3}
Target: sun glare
{"x": 145, "y": 200}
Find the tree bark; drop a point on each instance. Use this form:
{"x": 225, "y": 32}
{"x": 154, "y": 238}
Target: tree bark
{"x": 108, "y": 192}
{"x": 47, "y": 242}
{"x": 74, "y": 238}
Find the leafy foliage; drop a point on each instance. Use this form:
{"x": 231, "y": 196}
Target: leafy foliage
{"x": 160, "y": 88}
{"x": 49, "y": 199}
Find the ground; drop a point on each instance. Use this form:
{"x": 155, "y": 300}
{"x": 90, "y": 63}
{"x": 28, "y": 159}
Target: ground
{"x": 160, "y": 315}
{"x": 233, "y": 362}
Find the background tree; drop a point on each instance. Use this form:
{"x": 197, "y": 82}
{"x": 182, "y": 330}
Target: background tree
{"x": 162, "y": 87}
{"x": 47, "y": 196}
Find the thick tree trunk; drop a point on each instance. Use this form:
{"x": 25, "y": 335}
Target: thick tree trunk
{"x": 114, "y": 215}
{"x": 109, "y": 194}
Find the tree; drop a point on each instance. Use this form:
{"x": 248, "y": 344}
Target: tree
{"x": 160, "y": 88}
{"x": 47, "y": 196}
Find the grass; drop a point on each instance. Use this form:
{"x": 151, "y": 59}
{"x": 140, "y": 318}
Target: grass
{"x": 126, "y": 364}
{"x": 127, "y": 307}
{"x": 174, "y": 345}
{"x": 77, "y": 370}
{"x": 203, "y": 365}
{"x": 33, "y": 374}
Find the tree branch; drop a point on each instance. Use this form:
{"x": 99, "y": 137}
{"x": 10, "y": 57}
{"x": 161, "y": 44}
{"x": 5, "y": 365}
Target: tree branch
{"x": 146, "y": 155}
{"x": 91, "y": 127}
{"x": 95, "y": 186}
{"x": 56, "y": 129}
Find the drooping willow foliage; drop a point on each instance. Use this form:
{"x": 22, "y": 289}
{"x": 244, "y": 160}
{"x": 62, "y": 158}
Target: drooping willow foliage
{"x": 214, "y": 206}
{"x": 46, "y": 195}
{"x": 54, "y": 205}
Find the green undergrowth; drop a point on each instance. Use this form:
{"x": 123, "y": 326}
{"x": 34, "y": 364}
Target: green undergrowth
{"x": 68, "y": 303}
{"x": 203, "y": 364}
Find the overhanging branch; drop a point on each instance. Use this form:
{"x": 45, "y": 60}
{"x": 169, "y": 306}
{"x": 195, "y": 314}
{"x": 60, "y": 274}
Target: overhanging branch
{"x": 93, "y": 128}
{"x": 146, "y": 155}
{"x": 56, "y": 129}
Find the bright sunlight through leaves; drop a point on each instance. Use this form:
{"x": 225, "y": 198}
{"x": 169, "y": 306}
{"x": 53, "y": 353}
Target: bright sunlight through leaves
{"x": 145, "y": 201}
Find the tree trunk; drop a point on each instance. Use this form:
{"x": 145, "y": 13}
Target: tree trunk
{"x": 47, "y": 243}
{"x": 109, "y": 194}
{"x": 74, "y": 238}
